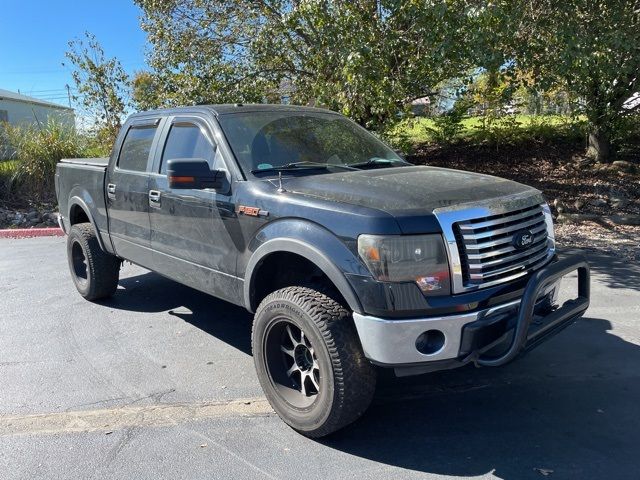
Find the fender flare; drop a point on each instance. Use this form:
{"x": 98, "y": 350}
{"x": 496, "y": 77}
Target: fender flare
{"x": 79, "y": 202}
{"x": 307, "y": 251}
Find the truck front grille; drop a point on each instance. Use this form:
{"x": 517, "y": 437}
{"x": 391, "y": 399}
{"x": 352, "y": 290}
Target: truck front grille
{"x": 488, "y": 254}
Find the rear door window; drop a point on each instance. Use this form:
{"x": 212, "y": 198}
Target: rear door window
{"x": 187, "y": 140}
{"x": 136, "y": 147}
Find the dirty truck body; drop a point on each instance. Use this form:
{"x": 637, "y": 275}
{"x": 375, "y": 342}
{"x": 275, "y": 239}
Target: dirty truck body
{"x": 351, "y": 258}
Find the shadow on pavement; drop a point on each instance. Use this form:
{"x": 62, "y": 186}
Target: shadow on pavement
{"x": 151, "y": 292}
{"x": 572, "y": 406}
{"x": 615, "y": 272}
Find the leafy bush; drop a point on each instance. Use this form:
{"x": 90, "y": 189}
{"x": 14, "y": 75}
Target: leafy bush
{"x": 38, "y": 149}
{"x": 448, "y": 126}
{"x": 8, "y": 170}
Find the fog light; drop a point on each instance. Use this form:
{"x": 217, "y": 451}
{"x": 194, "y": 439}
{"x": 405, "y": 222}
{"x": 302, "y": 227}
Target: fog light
{"x": 430, "y": 342}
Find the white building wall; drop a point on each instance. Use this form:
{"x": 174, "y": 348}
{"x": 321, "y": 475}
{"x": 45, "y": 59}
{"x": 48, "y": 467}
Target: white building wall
{"x": 17, "y": 112}
{"x": 25, "y": 113}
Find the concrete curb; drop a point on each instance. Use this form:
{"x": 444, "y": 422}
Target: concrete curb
{"x": 31, "y": 232}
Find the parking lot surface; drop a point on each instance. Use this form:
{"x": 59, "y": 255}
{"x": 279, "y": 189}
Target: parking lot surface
{"x": 158, "y": 382}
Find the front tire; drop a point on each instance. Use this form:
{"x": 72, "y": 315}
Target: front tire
{"x": 310, "y": 362}
{"x": 94, "y": 272}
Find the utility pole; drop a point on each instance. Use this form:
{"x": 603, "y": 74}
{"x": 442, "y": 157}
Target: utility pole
{"x": 68, "y": 93}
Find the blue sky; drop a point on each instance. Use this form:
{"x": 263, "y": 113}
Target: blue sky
{"x": 34, "y": 37}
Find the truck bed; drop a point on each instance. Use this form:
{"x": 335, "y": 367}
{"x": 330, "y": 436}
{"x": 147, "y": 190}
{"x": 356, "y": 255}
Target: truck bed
{"x": 95, "y": 162}
{"x": 80, "y": 182}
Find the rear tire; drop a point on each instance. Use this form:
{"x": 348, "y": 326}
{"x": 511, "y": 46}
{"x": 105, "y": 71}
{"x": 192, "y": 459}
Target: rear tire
{"x": 310, "y": 362}
{"x": 94, "y": 272}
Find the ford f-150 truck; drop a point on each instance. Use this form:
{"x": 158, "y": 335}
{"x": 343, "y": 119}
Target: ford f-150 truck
{"x": 351, "y": 258}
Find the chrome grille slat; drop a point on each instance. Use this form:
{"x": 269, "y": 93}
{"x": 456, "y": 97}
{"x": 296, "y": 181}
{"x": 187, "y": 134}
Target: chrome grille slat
{"x": 500, "y": 241}
{"x": 500, "y": 231}
{"x": 501, "y": 251}
{"x": 500, "y": 221}
{"x": 527, "y": 253}
{"x": 510, "y": 268}
{"x": 486, "y": 250}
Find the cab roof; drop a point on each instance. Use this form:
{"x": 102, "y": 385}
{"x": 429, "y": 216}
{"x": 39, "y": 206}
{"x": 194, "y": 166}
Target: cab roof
{"x": 232, "y": 108}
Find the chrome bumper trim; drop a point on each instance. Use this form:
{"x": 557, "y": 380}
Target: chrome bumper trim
{"x": 393, "y": 342}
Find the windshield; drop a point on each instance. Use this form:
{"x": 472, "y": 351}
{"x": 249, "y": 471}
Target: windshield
{"x": 265, "y": 142}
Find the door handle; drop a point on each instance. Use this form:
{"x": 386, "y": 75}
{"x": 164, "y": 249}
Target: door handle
{"x": 154, "y": 198}
{"x": 111, "y": 191}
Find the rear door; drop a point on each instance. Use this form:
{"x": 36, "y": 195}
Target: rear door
{"x": 128, "y": 190}
{"x": 191, "y": 230}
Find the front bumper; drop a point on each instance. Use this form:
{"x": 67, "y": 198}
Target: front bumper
{"x": 467, "y": 337}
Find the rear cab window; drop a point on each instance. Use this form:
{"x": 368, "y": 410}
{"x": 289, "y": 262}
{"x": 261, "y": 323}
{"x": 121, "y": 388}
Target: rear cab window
{"x": 136, "y": 148}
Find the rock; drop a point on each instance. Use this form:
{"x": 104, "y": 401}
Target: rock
{"x": 41, "y": 225}
{"x": 624, "y": 165}
{"x": 577, "y": 217}
{"x": 619, "y": 202}
{"x": 585, "y": 161}
{"x": 579, "y": 204}
{"x": 625, "y": 219}
{"x": 33, "y": 214}
{"x": 598, "y": 202}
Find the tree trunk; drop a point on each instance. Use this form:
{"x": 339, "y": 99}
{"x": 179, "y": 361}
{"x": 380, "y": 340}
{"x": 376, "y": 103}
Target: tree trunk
{"x": 599, "y": 147}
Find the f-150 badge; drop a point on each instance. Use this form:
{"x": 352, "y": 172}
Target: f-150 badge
{"x": 252, "y": 211}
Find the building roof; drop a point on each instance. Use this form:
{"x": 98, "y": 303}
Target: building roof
{"x": 17, "y": 97}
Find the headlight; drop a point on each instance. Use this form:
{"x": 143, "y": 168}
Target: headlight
{"x": 548, "y": 219}
{"x": 411, "y": 258}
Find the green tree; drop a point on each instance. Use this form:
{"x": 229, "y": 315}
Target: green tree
{"x": 102, "y": 86}
{"x": 144, "y": 91}
{"x": 365, "y": 58}
{"x": 590, "y": 48}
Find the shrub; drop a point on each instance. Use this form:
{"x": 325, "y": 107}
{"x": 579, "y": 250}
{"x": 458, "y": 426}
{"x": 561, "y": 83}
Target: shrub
{"x": 38, "y": 149}
{"x": 8, "y": 170}
{"x": 448, "y": 126}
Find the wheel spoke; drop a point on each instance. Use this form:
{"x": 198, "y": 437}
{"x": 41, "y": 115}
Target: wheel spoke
{"x": 287, "y": 351}
{"x": 314, "y": 382}
{"x": 303, "y": 387}
{"x": 294, "y": 368}
{"x": 294, "y": 342}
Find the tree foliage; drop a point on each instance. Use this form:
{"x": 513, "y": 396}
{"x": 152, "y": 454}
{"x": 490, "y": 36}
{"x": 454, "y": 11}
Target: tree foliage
{"x": 365, "y": 58}
{"x": 590, "y": 48}
{"x": 102, "y": 85}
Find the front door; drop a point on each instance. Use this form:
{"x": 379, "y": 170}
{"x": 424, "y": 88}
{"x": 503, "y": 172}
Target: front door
{"x": 127, "y": 193}
{"x": 189, "y": 228}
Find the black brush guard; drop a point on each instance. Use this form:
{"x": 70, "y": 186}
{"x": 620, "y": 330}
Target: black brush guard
{"x": 553, "y": 322}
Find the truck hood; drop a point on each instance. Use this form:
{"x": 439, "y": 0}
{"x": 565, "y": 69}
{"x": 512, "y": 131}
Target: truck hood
{"x": 405, "y": 192}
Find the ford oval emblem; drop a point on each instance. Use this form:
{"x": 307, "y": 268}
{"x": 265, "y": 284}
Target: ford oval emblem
{"x": 522, "y": 239}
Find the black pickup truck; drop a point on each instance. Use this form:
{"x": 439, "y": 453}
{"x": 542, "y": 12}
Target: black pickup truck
{"x": 351, "y": 258}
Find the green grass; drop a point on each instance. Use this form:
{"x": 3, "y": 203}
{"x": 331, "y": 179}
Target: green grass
{"x": 8, "y": 167}
{"x": 418, "y": 131}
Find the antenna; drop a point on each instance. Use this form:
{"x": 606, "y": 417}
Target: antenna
{"x": 280, "y": 187}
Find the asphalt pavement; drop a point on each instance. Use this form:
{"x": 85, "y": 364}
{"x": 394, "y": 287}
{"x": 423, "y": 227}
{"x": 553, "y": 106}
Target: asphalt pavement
{"x": 158, "y": 382}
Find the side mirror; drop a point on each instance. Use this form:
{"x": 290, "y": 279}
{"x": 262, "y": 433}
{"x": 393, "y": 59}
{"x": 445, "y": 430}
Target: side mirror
{"x": 193, "y": 173}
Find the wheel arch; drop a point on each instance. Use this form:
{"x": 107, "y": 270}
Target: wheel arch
{"x": 304, "y": 250}
{"x": 79, "y": 211}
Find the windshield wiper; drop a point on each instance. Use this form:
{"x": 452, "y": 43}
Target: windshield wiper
{"x": 301, "y": 165}
{"x": 379, "y": 161}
